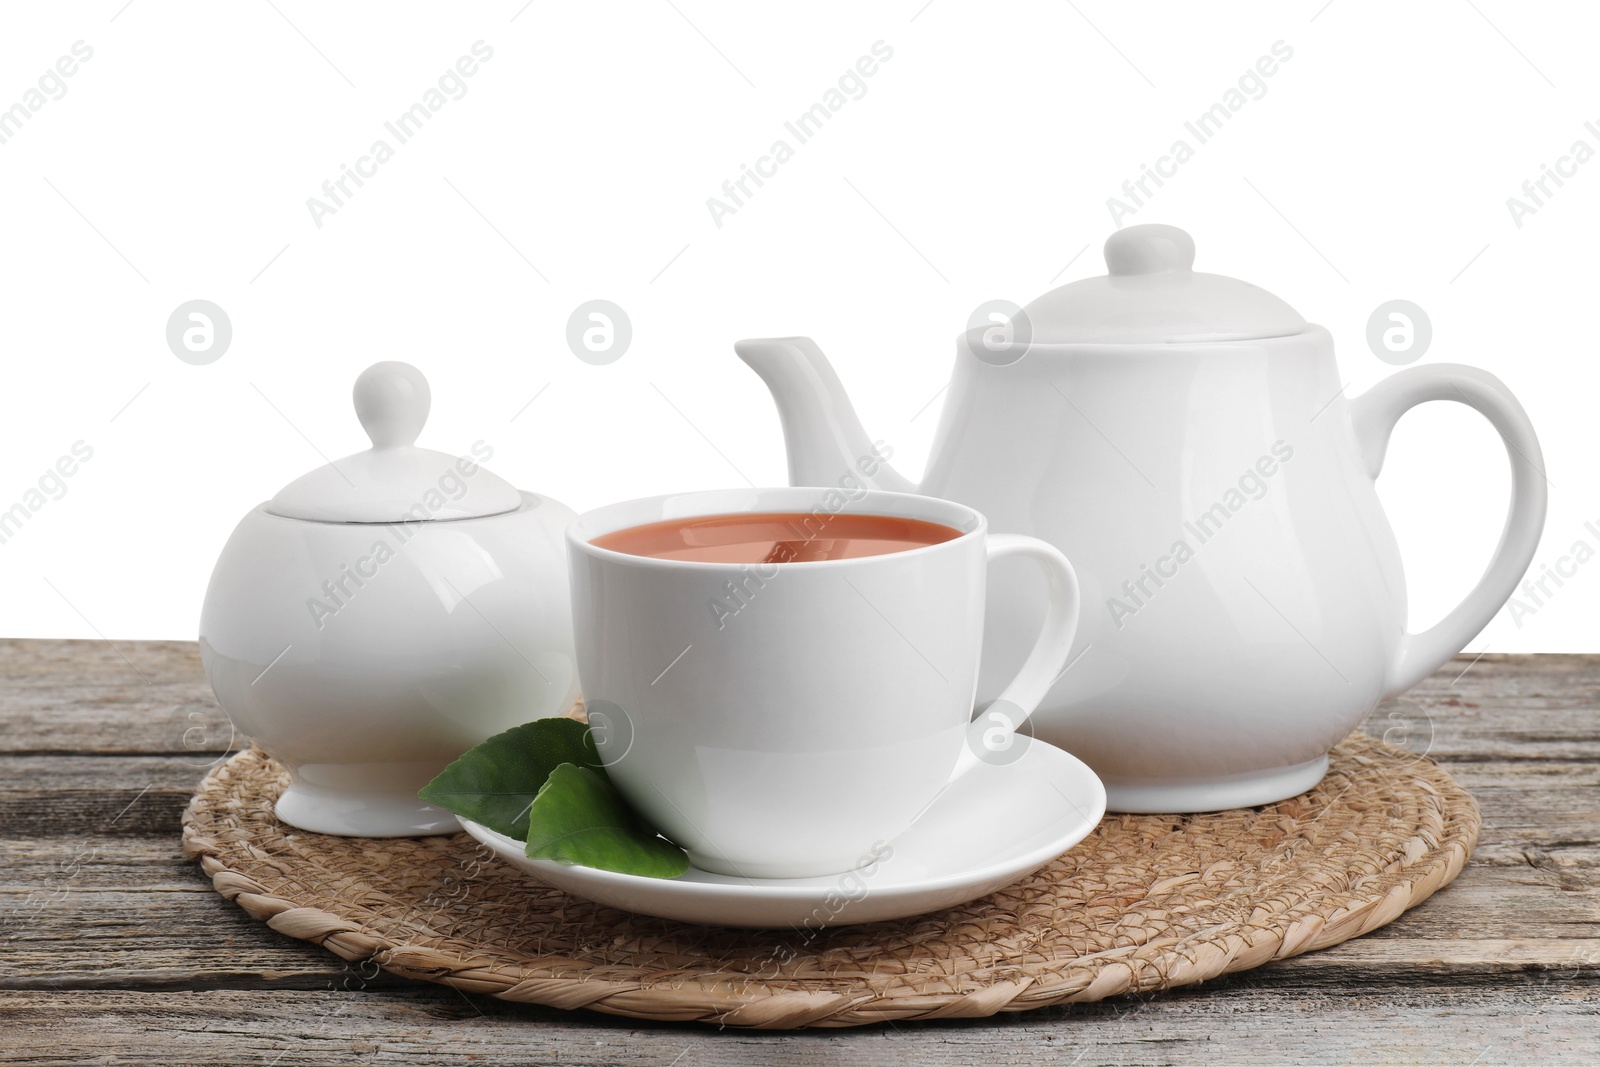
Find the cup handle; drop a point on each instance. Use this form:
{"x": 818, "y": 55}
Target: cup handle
{"x": 994, "y": 731}
{"x": 1373, "y": 415}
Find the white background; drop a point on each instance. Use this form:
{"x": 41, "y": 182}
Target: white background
{"x": 977, "y": 165}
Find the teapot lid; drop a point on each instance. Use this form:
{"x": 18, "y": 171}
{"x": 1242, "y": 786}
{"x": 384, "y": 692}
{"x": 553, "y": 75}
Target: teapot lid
{"x": 1152, "y": 295}
{"x": 394, "y": 480}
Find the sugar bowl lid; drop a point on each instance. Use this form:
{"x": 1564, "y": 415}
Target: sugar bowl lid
{"x": 1151, "y": 294}
{"x": 394, "y": 480}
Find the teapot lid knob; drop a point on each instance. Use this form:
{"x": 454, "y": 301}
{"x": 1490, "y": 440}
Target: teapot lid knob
{"x": 392, "y": 401}
{"x": 1151, "y": 248}
{"x": 1153, "y": 295}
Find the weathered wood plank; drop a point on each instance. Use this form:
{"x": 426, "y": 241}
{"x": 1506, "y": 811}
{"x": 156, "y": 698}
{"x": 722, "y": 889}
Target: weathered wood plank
{"x": 1537, "y": 803}
{"x": 1507, "y": 890}
{"x": 133, "y": 913}
{"x": 90, "y": 696}
{"x": 133, "y": 940}
{"x": 1233, "y": 1021}
{"x": 82, "y": 695}
{"x": 51, "y": 663}
{"x": 67, "y": 796}
{"x": 149, "y": 697}
{"x": 1527, "y": 901}
{"x": 1501, "y": 707}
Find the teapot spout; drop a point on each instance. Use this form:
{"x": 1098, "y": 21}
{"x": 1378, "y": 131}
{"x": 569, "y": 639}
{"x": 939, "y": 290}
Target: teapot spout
{"x": 826, "y": 442}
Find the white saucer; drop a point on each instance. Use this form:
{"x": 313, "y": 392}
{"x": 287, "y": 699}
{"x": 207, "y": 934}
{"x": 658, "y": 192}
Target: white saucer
{"x": 992, "y": 827}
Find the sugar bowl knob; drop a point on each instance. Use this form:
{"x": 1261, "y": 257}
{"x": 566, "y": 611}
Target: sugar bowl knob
{"x": 392, "y": 400}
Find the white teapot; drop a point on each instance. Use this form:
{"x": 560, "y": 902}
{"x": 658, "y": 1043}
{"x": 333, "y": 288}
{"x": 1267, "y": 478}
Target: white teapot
{"x": 1184, "y": 438}
{"x": 383, "y": 614}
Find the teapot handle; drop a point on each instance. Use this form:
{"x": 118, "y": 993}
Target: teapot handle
{"x": 1373, "y": 416}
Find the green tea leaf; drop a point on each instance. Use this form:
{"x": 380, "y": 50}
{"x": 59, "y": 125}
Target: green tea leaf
{"x": 580, "y": 818}
{"x": 495, "y": 783}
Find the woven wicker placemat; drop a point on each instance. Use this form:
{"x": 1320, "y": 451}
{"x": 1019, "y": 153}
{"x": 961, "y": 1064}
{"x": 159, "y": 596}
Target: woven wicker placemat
{"x": 1146, "y": 902}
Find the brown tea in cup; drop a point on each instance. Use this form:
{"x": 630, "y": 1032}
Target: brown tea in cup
{"x": 775, "y": 537}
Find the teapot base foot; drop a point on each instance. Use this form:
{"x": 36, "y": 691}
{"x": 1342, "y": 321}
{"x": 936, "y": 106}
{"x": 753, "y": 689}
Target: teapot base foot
{"x": 1247, "y": 790}
{"x": 365, "y": 814}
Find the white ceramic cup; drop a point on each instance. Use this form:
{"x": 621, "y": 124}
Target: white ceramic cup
{"x": 784, "y": 720}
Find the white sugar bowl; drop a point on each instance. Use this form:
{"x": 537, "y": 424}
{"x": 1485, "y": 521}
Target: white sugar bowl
{"x": 383, "y": 614}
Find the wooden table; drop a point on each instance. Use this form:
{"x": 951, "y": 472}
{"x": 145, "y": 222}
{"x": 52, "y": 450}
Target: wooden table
{"x": 116, "y": 950}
